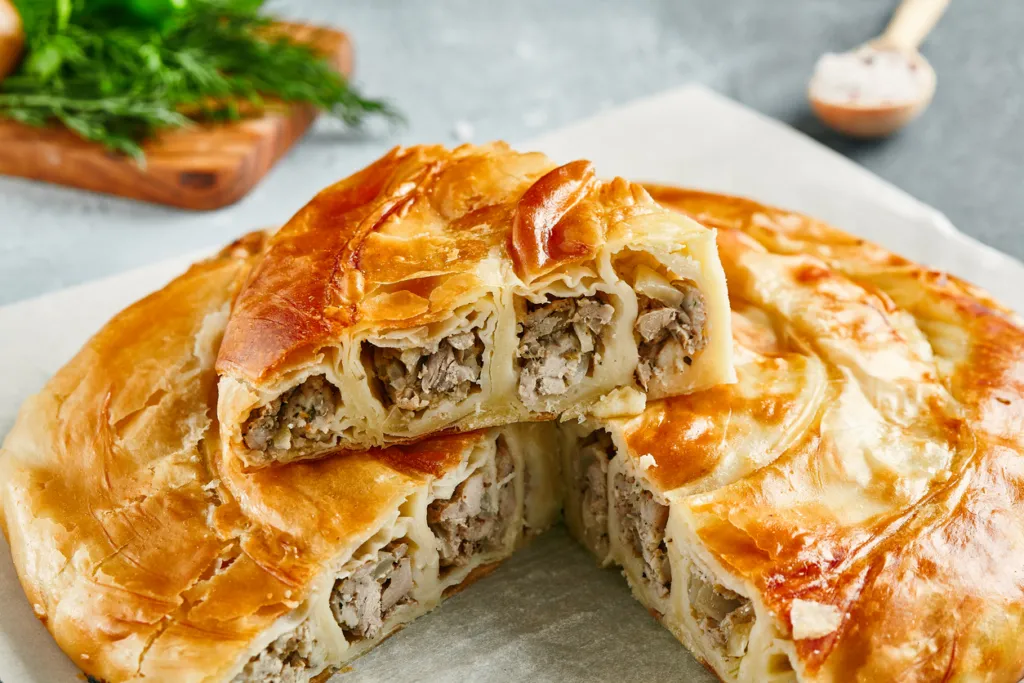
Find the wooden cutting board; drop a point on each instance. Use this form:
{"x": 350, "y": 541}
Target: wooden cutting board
{"x": 207, "y": 167}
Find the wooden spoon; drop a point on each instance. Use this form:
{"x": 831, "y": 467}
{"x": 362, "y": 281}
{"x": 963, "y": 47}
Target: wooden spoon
{"x": 883, "y": 85}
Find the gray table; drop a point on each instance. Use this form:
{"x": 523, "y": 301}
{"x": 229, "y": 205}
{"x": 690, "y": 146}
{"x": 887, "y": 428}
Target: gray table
{"x": 515, "y": 69}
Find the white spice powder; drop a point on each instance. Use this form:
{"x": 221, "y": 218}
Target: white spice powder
{"x": 868, "y": 77}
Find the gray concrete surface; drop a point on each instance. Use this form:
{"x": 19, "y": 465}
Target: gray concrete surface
{"x": 515, "y": 69}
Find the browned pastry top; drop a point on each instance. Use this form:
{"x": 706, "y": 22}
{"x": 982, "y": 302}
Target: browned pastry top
{"x": 145, "y": 552}
{"x": 400, "y": 242}
{"x": 871, "y": 455}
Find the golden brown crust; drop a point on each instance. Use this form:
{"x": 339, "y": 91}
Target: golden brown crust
{"x": 894, "y": 493}
{"x": 545, "y": 230}
{"x": 145, "y": 551}
{"x": 456, "y": 207}
{"x": 323, "y": 263}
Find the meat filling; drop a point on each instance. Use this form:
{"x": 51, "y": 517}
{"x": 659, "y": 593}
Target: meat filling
{"x": 642, "y": 523}
{"x": 560, "y": 341}
{"x": 592, "y": 479}
{"x": 299, "y": 418}
{"x": 414, "y": 379}
{"x": 289, "y": 659}
{"x": 663, "y": 331}
{"x": 476, "y": 517}
{"x": 724, "y": 615}
{"x": 362, "y": 601}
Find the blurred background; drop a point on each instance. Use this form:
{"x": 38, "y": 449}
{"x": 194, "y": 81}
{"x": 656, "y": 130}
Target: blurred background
{"x": 464, "y": 70}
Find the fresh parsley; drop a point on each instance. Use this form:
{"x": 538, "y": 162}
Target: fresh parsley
{"x": 117, "y": 71}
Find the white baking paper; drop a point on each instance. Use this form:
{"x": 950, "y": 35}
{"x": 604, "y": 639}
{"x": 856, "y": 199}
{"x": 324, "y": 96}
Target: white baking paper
{"x": 548, "y": 614}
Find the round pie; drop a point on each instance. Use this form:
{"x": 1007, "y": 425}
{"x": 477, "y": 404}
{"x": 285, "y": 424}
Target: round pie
{"x": 848, "y": 510}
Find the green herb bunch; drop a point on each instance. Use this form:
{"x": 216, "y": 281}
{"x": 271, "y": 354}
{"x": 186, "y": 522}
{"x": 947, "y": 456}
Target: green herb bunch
{"x": 116, "y": 71}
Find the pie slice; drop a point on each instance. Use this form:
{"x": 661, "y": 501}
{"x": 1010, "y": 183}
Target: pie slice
{"x": 450, "y": 290}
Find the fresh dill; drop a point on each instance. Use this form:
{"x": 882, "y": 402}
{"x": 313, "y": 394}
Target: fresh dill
{"x": 117, "y": 71}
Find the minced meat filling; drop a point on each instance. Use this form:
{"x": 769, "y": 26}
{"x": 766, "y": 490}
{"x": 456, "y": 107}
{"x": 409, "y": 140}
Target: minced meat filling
{"x": 642, "y": 523}
{"x": 289, "y": 659}
{"x": 297, "y": 418}
{"x": 724, "y": 615}
{"x": 595, "y": 452}
{"x": 414, "y": 379}
{"x": 477, "y": 515}
{"x": 559, "y": 341}
{"x": 663, "y": 330}
{"x": 362, "y": 601}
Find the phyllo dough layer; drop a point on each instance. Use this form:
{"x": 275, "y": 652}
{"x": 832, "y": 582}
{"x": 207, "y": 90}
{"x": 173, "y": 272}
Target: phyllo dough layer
{"x": 850, "y": 509}
{"x": 442, "y": 290}
{"x": 151, "y": 555}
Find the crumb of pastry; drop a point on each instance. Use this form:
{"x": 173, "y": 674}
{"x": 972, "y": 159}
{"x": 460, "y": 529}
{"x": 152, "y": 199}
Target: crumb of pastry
{"x": 813, "y": 619}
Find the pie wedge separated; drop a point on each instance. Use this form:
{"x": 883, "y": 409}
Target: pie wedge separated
{"x": 458, "y": 289}
{"x": 850, "y": 509}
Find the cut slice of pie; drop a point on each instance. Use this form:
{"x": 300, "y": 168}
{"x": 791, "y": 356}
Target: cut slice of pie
{"x": 449, "y": 290}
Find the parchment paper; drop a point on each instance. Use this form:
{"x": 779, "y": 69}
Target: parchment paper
{"x": 548, "y": 614}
